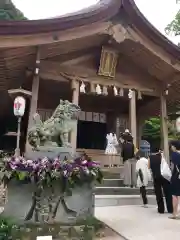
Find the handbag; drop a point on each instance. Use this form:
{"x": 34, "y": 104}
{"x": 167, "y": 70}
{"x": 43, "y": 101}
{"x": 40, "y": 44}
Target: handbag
{"x": 165, "y": 169}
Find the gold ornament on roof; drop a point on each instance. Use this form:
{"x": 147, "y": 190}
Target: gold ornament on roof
{"x": 108, "y": 62}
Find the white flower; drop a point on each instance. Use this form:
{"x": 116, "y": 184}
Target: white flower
{"x": 84, "y": 162}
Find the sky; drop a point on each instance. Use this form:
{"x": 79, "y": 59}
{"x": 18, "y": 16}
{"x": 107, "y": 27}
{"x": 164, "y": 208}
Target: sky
{"x": 158, "y": 12}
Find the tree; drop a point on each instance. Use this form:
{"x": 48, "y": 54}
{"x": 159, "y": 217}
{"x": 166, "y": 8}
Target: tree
{"x": 8, "y": 11}
{"x": 174, "y": 26}
{"x": 152, "y": 130}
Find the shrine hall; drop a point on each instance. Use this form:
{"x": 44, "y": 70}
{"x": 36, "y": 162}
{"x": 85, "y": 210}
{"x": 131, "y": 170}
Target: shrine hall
{"x": 107, "y": 58}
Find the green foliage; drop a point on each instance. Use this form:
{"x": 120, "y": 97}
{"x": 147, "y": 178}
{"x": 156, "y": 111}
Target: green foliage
{"x": 8, "y": 11}
{"x": 174, "y": 26}
{"x": 152, "y": 129}
{"x": 7, "y": 226}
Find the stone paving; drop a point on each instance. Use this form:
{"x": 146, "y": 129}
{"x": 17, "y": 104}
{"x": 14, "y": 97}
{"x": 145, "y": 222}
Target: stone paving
{"x": 138, "y": 223}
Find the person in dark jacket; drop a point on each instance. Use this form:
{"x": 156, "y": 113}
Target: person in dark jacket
{"x": 161, "y": 185}
{"x": 175, "y": 180}
{"x": 128, "y": 156}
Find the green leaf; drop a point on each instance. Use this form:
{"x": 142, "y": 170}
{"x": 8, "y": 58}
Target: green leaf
{"x": 22, "y": 175}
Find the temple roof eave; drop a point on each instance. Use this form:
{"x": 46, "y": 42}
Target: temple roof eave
{"x": 101, "y": 12}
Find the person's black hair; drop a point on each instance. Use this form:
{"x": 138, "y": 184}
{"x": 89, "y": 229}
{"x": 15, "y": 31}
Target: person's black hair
{"x": 176, "y": 144}
{"x": 155, "y": 148}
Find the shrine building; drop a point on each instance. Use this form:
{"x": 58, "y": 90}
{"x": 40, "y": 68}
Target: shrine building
{"x": 107, "y": 58}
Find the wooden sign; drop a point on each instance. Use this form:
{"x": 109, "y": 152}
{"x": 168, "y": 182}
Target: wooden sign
{"x": 44, "y": 238}
{"x": 108, "y": 62}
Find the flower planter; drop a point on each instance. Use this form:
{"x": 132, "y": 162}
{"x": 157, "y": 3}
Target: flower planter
{"x": 70, "y": 208}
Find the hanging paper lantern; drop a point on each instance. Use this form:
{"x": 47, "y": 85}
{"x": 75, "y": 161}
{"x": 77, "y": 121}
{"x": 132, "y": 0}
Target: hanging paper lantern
{"x": 83, "y": 88}
{"x": 130, "y": 94}
{"x": 105, "y": 91}
{"x": 98, "y": 89}
{"x": 121, "y": 92}
{"x": 19, "y": 106}
{"x": 115, "y": 91}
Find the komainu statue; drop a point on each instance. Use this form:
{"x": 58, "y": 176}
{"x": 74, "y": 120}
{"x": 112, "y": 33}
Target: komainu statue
{"x": 54, "y": 132}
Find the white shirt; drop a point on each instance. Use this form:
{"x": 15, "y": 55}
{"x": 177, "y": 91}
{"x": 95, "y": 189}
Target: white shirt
{"x": 142, "y": 164}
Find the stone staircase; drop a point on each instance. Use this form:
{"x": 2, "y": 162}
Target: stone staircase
{"x": 112, "y": 192}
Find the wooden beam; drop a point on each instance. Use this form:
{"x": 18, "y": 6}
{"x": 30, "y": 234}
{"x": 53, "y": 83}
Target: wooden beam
{"x": 89, "y": 75}
{"x": 77, "y": 60}
{"x": 158, "y": 51}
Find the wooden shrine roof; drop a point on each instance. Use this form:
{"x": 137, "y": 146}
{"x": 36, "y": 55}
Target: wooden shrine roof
{"x": 116, "y": 21}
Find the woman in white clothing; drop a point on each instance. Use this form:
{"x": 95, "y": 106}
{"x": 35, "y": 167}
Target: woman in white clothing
{"x": 111, "y": 144}
{"x": 144, "y": 176}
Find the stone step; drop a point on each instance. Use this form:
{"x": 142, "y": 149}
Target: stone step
{"x": 99, "y": 190}
{"x": 110, "y": 182}
{"x": 118, "y": 182}
{"x": 119, "y": 200}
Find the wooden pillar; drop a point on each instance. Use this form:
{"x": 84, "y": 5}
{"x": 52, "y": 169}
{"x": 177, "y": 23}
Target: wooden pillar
{"x": 132, "y": 117}
{"x": 34, "y": 96}
{"x": 164, "y": 127}
{"x": 75, "y": 100}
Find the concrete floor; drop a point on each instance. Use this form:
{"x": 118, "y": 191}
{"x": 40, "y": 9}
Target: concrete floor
{"x": 138, "y": 223}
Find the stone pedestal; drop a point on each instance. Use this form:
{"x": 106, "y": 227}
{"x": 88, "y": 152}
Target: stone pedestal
{"x": 53, "y": 152}
{"x": 81, "y": 203}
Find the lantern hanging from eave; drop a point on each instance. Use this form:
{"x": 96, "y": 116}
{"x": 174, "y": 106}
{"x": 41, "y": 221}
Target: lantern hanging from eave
{"x": 19, "y": 106}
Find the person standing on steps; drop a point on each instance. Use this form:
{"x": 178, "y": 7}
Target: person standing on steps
{"x": 161, "y": 185}
{"x": 175, "y": 179}
{"x": 143, "y": 176}
{"x": 128, "y": 156}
